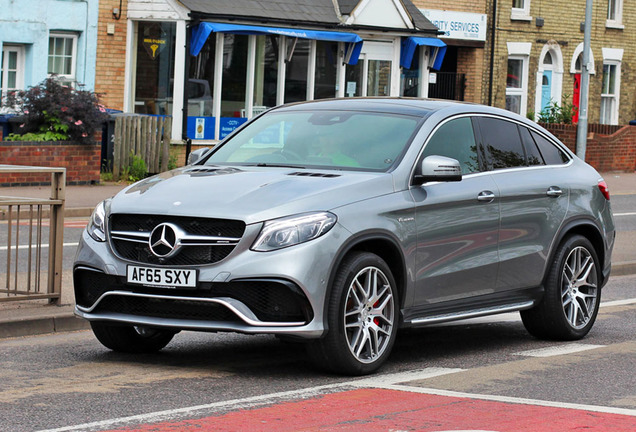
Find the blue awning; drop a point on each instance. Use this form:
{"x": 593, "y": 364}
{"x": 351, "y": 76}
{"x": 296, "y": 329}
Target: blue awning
{"x": 201, "y": 32}
{"x": 408, "y": 50}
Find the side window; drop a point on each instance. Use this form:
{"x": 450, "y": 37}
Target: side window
{"x": 550, "y": 152}
{"x": 502, "y": 142}
{"x": 532, "y": 151}
{"x": 455, "y": 139}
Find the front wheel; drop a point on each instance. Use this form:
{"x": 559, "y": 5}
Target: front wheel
{"x": 362, "y": 316}
{"x": 131, "y": 339}
{"x": 572, "y": 294}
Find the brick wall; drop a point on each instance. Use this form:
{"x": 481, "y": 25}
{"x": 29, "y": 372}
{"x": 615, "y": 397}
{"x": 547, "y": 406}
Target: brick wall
{"x": 614, "y": 152}
{"x": 82, "y": 162}
{"x": 111, "y": 54}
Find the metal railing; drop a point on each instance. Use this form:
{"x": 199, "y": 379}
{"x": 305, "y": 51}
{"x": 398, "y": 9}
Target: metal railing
{"x": 29, "y": 267}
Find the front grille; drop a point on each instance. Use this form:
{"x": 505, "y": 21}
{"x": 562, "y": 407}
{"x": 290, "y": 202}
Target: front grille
{"x": 137, "y": 248}
{"x": 269, "y": 300}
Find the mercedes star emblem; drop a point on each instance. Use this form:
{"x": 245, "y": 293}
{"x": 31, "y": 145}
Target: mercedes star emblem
{"x": 165, "y": 240}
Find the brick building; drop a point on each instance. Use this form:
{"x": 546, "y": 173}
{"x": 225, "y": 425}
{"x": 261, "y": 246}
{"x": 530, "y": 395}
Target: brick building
{"x": 538, "y": 50}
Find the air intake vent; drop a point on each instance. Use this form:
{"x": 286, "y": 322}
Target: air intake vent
{"x": 310, "y": 174}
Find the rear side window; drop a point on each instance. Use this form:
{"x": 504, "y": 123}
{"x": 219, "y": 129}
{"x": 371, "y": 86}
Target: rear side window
{"x": 550, "y": 152}
{"x": 455, "y": 139}
{"x": 502, "y": 142}
{"x": 532, "y": 151}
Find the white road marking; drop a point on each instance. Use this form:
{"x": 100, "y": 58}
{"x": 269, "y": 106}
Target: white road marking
{"x": 625, "y": 214}
{"x": 515, "y": 400}
{"x": 624, "y": 302}
{"x": 558, "y": 350}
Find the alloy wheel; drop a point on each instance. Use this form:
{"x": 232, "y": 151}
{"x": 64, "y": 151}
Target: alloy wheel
{"x": 579, "y": 289}
{"x": 369, "y": 314}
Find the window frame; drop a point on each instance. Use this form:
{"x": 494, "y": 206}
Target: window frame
{"x": 522, "y": 13}
{"x": 71, "y": 78}
{"x": 523, "y": 90}
{"x": 617, "y": 10}
{"x": 19, "y": 70}
{"x": 612, "y": 57}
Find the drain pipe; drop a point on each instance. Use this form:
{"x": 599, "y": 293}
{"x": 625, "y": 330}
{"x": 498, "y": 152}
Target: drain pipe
{"x": 493, "y": 27}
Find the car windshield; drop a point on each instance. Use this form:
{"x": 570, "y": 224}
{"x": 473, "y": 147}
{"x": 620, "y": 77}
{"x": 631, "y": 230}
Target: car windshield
{"x": 321, "y": 139}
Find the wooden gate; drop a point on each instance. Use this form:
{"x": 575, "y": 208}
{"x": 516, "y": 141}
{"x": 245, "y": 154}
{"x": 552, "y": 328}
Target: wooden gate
{"x": 147, "y": 137}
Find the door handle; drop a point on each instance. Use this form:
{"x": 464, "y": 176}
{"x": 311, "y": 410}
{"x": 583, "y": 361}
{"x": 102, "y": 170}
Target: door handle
{"x": 486, "y": 196}
{"x": 554, "y": 192}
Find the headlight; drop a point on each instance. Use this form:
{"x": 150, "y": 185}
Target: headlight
{"x": 96, "y": 227}
{"x": 293, "y": 230}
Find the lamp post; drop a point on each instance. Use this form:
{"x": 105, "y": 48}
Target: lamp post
{"x": 581, "y": 131}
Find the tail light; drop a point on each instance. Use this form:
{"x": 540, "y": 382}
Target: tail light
{"x": 602, "y": 186}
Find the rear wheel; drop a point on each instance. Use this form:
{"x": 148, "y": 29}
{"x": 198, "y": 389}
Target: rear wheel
{"x": 362, "y": 317}
{"x": 131, "y": 339}
{"x": 572, "y": 294}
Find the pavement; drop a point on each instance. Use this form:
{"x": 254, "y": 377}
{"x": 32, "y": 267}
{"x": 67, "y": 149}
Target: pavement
{"x": 32, "y": 317}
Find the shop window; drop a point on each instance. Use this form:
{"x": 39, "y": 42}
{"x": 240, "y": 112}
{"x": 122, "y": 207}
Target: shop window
{"x": 326, "y": 70}
{"x": 353, "y": 78}
{"x": 266, "y": 73}
{"x": 296, "y": 70}
{"x": 154, "y": 75}
{"x": 201, "y": 81}
{"x": 410, "y": 81}
{"x": 62, "y": 57}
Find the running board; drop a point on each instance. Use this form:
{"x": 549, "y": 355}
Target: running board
{"x": 472, "y": 313}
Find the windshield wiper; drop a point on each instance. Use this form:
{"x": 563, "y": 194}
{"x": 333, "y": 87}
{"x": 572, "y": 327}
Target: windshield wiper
{"x": 276, "y": 165}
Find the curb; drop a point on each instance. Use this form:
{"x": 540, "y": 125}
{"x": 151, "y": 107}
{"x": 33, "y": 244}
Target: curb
{"x": 31, "y": 326}
{"x": 623, "y": 268}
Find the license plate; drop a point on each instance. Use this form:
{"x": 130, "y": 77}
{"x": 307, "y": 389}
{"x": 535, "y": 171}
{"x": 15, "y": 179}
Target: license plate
{"x": 162, "y": 277}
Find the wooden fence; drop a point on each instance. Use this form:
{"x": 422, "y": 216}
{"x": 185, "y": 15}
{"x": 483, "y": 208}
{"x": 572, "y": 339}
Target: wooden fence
{"x": 147, "y": 137}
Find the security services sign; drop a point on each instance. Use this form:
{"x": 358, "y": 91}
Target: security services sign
{"x": 458, "y": 25}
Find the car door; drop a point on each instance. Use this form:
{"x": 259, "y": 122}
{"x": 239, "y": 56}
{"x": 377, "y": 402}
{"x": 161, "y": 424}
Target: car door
{"x": 534, "y": 198}
{"x": 457, "y": 223}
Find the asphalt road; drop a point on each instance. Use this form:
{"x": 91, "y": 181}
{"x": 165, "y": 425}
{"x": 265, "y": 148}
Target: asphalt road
{"x": 67, "y": 381}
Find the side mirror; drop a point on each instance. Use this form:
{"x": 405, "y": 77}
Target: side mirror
{"x": 197, "y": 155}
{"x": 440, "y": 169}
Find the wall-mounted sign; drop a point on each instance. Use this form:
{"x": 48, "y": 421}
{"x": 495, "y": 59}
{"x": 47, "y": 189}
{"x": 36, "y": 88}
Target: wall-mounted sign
{"x": 458, "y": 25}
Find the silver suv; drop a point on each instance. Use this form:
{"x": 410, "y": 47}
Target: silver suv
{"x": 337, "y": 222}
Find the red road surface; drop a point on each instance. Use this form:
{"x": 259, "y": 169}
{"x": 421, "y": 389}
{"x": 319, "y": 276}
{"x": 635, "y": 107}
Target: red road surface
{"x": 391, "y": 410}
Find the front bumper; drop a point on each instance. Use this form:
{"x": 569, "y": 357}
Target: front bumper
{"x": 278, "y": 292}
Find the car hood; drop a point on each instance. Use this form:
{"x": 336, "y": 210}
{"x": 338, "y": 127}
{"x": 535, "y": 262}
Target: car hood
{"x": 251, "y": 194}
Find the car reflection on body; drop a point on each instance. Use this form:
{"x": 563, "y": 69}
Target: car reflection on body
{"x": 336, "y": 222}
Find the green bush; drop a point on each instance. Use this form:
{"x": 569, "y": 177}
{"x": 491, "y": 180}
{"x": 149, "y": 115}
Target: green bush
{"x": 555, "y": 113}
{"x": 54, "y": 112}
{"x": 137, "y": 170}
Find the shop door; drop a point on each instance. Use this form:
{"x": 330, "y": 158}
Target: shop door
{"x": 372, "y": 76}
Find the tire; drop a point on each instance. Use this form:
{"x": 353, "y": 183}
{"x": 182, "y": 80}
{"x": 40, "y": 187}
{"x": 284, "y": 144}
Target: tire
{"x": 131, "y": 339}
{"x": 362, "y": 317}
{"x": 572, "y": 293}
